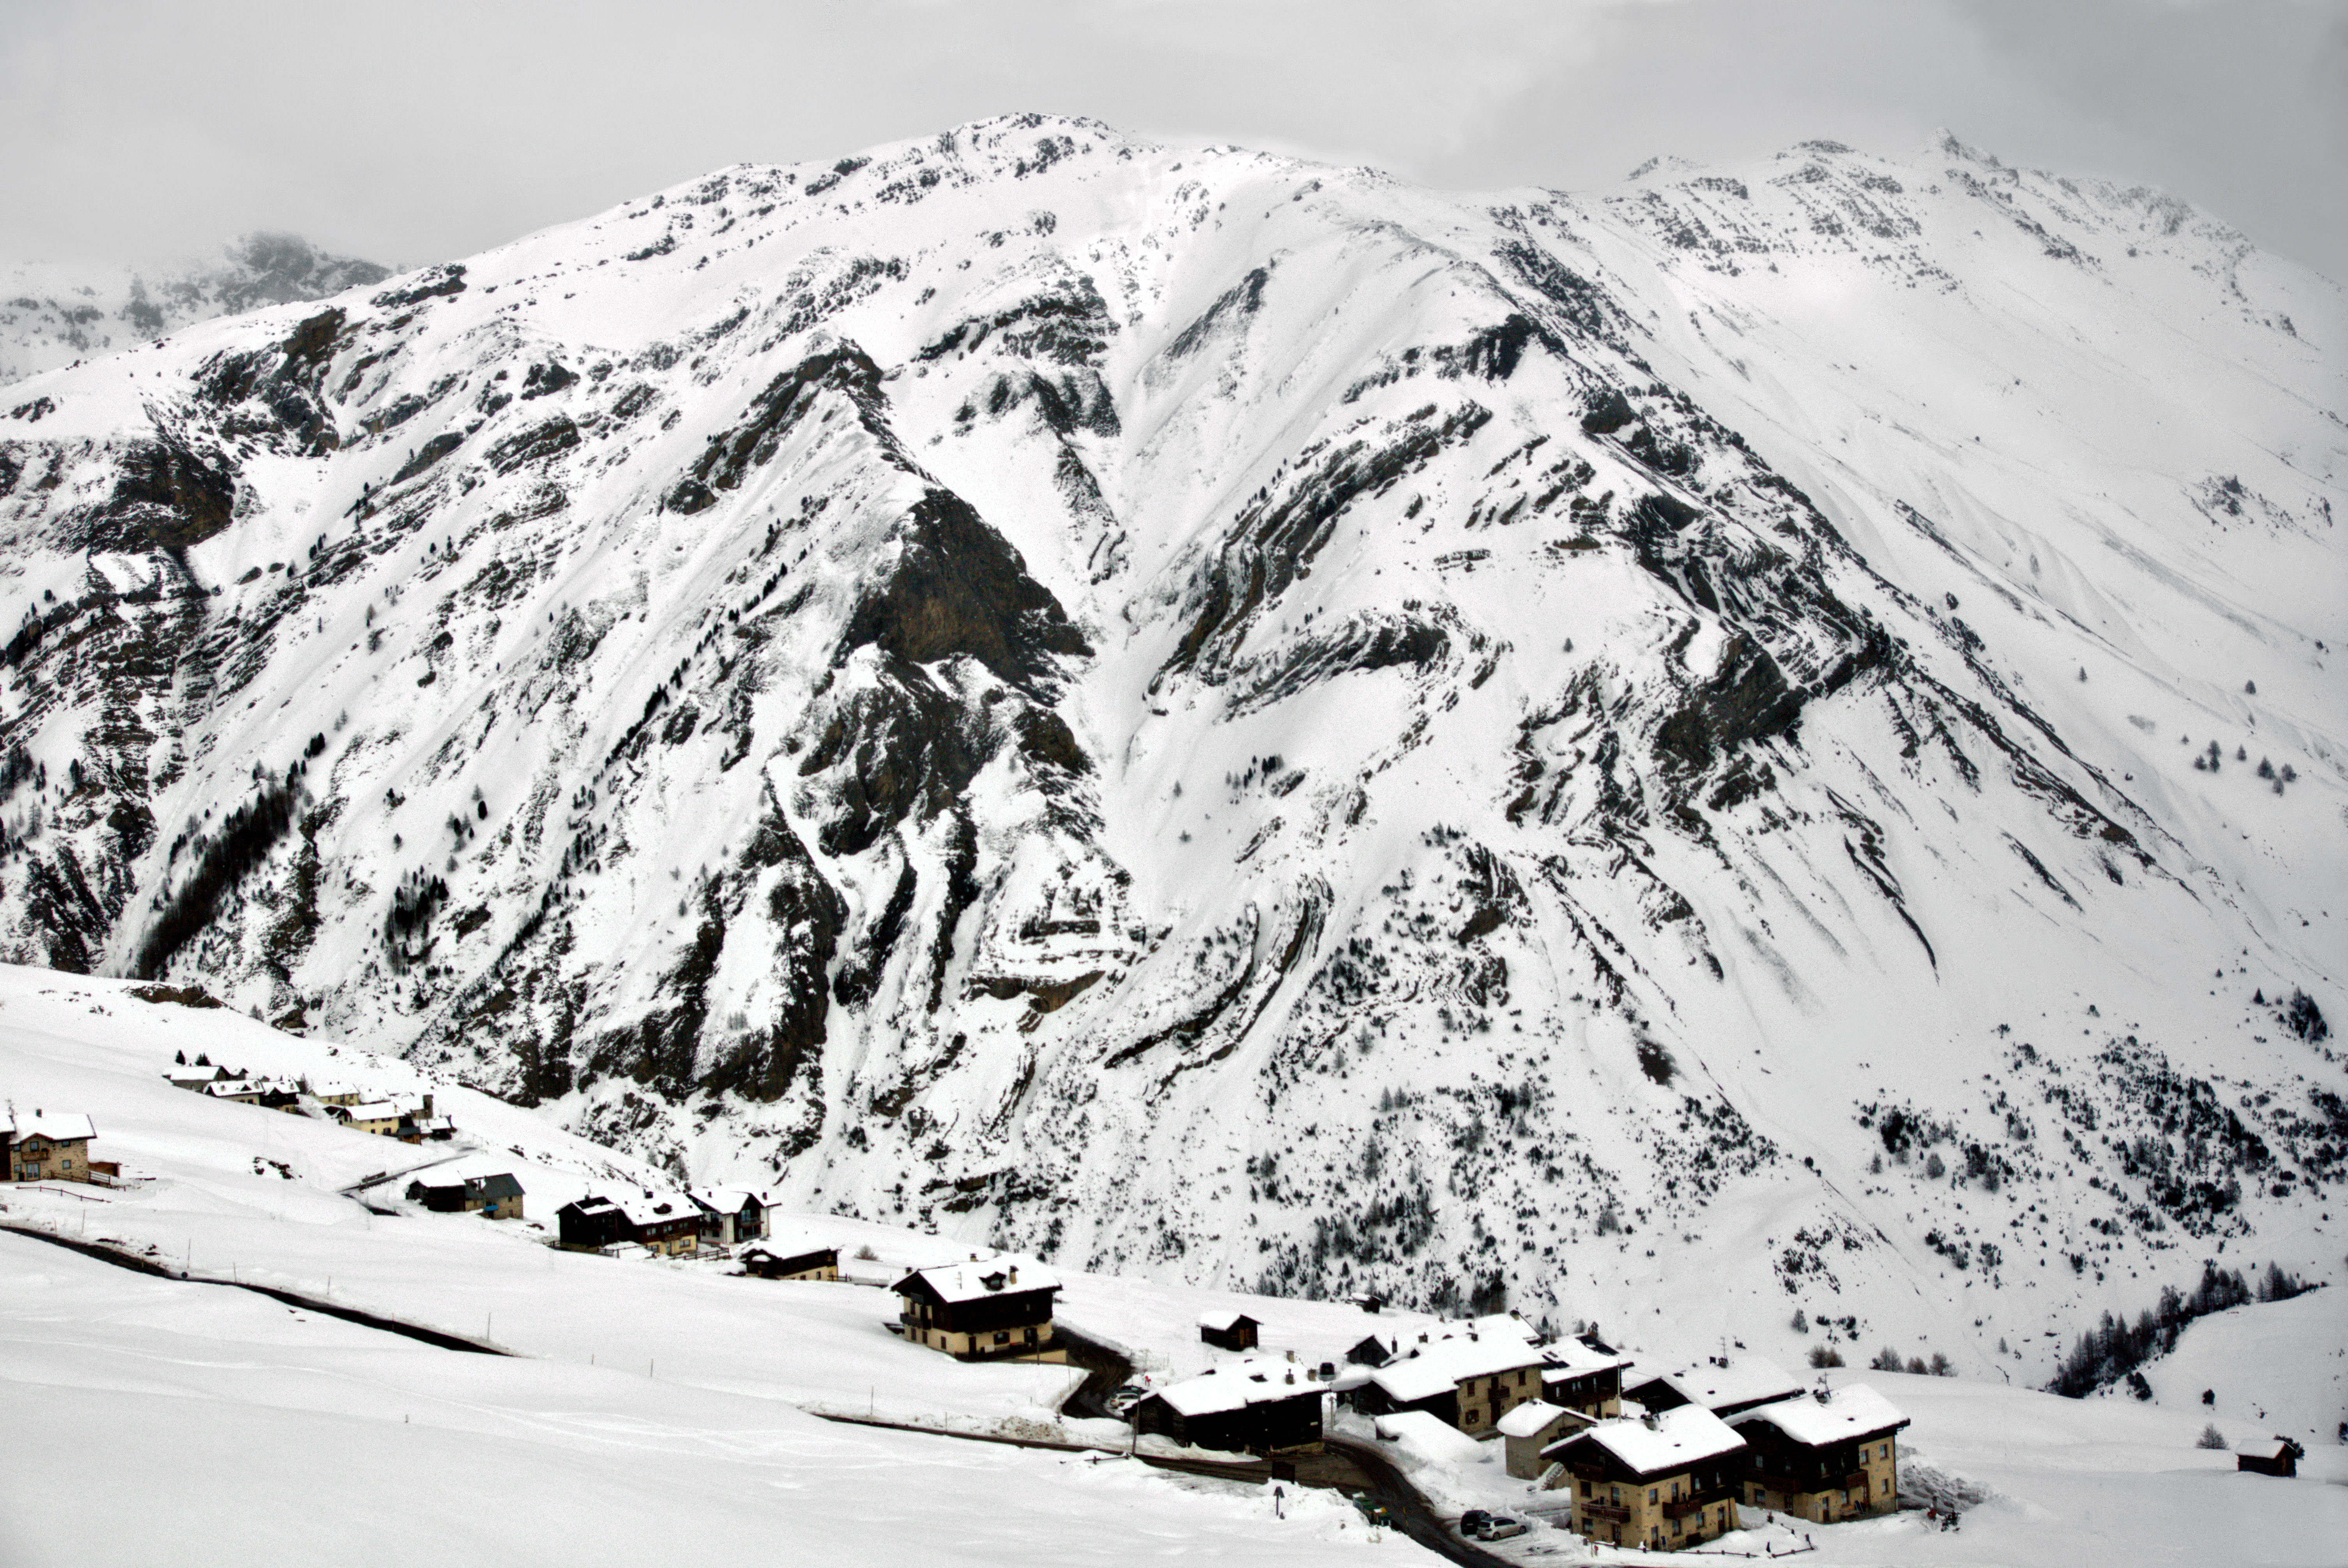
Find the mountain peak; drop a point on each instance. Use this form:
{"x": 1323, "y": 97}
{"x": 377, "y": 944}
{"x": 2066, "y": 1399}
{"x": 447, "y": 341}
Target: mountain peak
{"x": 1198, "y": 712}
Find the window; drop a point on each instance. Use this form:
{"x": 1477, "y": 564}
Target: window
{"x": 1003, "y": 1337}
{"x": 1654, "y": 1494}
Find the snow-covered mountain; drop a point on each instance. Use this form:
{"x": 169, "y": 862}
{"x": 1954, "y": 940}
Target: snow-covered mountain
{"x": 1238, "y": 720}
{"x": 53, "y": 313}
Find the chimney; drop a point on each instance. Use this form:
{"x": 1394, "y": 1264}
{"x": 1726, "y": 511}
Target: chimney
{"x": 428, "y": 1108}
{"x": 1648, "y": 1420}
{"x": 1014, "y": 1274}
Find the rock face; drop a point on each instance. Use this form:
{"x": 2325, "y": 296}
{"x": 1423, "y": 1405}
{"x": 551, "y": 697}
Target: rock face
{"x": 1240, "y": 720}
{"x": 53, "y": 314}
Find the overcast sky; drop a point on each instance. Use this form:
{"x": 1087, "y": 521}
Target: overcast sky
{"x": 411, "y": 132}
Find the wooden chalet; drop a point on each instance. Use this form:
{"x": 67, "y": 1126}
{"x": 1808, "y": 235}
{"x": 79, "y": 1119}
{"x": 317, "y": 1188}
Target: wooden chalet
{"x": 1228, "y": 1330}
{"x": 237, "y": 1090}
{"x": 47, "y": 1146}
{"x": 2281, "y": 1456}
{"x": 664, "y": 1222}
{"x": 795, "y": 1258}
{"x": 1371, "y": 1351}
{"x": 981, "y": 1310}
{"x": 1259, "y": 1406}
{"x": 1656, "y": 1482}
{"x": 1465, "y": 1375}
{"x": 498, "y": 1197}
{"x": 1830, "y": 1455}
{"x": 730, "y": 1215}
{"x": 380, "y": 1117}
{"x": 1724, "y": 1385}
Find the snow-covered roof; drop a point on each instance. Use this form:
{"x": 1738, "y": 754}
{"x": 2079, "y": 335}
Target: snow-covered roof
{"x": 726, "y": 1200}
{"x": 333, "y": 1088}
{"x": 1746, "y": 1380}
{"x": 969, "y": 1281}
{"x": 1497, "y": 1325}
{"x": 1574, "y": 1358}
{"x": 1452, "y": 1357}
{"x": 794, "y": 1242}
{"x": 1430, "y": 1437}
{"x": 1659, "y": 1445}
{"x": 1533, "y": 1418}
{"x": 1235, "y": 1387}
{"x": 376, "y": 1111}
{"x": 656, "y": 1208}
{"x": 57, "y": 1126}
{"x": 1854, "y": 1410}
{"x": 1221, "y": 1322}
{"x": 789, "y": 1248}
{"x": 233, "y": 1088}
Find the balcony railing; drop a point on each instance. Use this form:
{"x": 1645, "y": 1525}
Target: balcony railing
{"x": 1681, "y": 1507}
{"x": 1609, "y": 1511}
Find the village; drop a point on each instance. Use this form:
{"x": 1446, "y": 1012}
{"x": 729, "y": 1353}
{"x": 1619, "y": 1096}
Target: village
{"x": 1622, "y": 1454}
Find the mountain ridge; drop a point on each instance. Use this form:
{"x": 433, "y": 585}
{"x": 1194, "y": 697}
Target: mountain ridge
{"x": 1308, "y": 731}
{"x": 53, "y": 313}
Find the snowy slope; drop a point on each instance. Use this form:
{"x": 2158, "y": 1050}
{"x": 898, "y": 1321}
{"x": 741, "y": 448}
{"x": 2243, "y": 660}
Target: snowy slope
{"x": 54, "y": 313}
{"x": 185, "y": 1400}
{"x": 1239, "y": 721}
{"x": 665, "y": 1406}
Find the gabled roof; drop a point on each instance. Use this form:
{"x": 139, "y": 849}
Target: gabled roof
{"x": 1574, "y": 1358}
{"x": 952, "y": 1282}
{"x": 645, "y": 1209}
{"x": 1223, "y": 1322}
{"x": 1852, "y": 1411}
{"x": 1535, "y": 1416}
{"x": 2273, "y": 1447}
{"x": 794, "y": 1241}
{"x": 1236, "y": 1386}
{"x": 380, "y": 1110}
{"x": 501, "y": 1186}
{"x": 1746, "y": 1380}
{"x": 791, "y": 1250}
{"x": 1453, "y": 1354}
{"x": 1656, "y": 1445}
{"x": 726, "y": 1200}
{"x": 57, "y": 1126}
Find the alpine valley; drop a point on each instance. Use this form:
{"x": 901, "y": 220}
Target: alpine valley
{"x": 1760, "y": 739}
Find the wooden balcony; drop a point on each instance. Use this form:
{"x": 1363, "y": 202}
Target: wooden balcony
{"x": 1614, "y": 1513}
{"x": 1681, "y": 1507}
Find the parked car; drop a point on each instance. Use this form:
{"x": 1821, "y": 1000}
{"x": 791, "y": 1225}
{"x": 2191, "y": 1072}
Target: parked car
{"x": 1125, "y": 1397}
{"x": 1500, "y": 1527}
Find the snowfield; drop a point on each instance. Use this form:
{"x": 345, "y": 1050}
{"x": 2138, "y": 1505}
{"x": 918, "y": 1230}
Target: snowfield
{"x": 653, "y": 1408}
